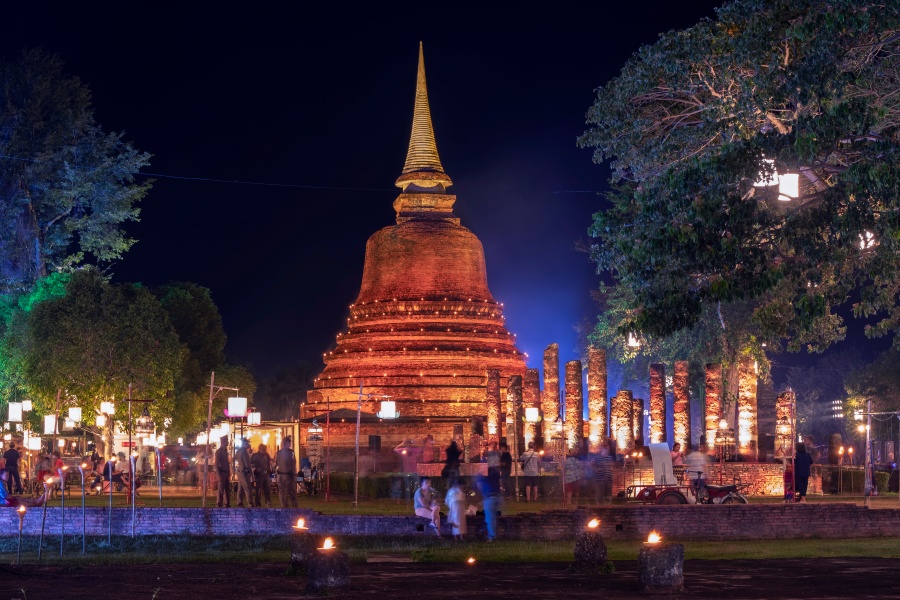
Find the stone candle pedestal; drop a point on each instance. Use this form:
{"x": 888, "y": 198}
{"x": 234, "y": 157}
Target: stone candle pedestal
{"x": 590, "y": 553}
{"x": 303, "y": 546}
{"x": 661, "y": 568}
{"x": 327, "y": 571}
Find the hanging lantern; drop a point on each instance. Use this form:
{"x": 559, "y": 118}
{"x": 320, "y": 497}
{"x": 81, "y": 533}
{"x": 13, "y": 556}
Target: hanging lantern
{"x": 15, "y": 412}
{"x": 26, "y": 405}
{"x": 237, "y": 408}
{"x": 144, "y": 424}
{"x": 388, "y": 410}
{"x": 50, "y": 424}
{"x": 100, "y": 420}
{"x": 75, "y": 414}
{"x": 254, "y": 418}
{"x": 107, "y": 408}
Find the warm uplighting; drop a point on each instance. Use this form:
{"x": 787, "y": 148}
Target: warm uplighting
{"x": 653, "y": 538}
{"x": 593, "y": 523}
{"x": 21, "y": 510}
{"x": 237, "y": 408}
{"x": 301, "y": 525}
{"x": 471, "y": 560}
{"x": 841, "y": 450}
{"x": 723, "y": 424}
{"x": 328, "y": 544}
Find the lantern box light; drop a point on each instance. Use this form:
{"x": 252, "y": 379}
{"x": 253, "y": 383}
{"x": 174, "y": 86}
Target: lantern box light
{"x": 15, "y": 412}
{"x": 254, "y": 418}
{"x": 75, "y": 413}
{"x": 107, "y": 408}
{"x": 532, "y": 414}
{"x": 237, "y": 407}
{"x": 49, "y": 424}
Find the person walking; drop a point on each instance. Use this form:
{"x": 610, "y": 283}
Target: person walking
{"x": 456, "y": 514}
{"x": 286, "y": 465}
{"x": 451, "y": 464}
{"x": 12, "y": 457}
{"x": 802, "y": 463}
{"x": 223, "y": 470}
{"x": 531, "y": 461}
{"x": 492, "y": 458}
{"x": 489, "y": 486}
{"x": 261, "y": 465}
{"x": 572, "y": 476}
{"x": 244, "y": 474}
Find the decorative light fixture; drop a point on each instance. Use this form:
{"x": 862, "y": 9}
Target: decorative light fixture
{"x": 107, "y": 408}
{"x": 75, "y": 414}
{"x": 100, "y": 420}
{"x": 254, "y": 418}
{"x": 653, "y": 539}
{"x": 27, "y": 405}
{"x": 237, "y": 408}
{"x": 34, "y": 443}
{"x": 633, "y": 342}
{"x": 788, "y": 184}
{"x": 50, "y": 424}
{"x": 144, "y": 424}
{"x": 593, "y": 523}
{"x": 532, "y": 414}
{"x": 388, "y": 410}
{"x": 68, "y": 423}
{"x": 15, "y": 412}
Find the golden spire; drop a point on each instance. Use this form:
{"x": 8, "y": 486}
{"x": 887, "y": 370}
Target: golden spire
{"x": 423, "y": 165}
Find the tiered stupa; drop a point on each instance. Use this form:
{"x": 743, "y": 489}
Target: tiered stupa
{"x": 424, "y": 329}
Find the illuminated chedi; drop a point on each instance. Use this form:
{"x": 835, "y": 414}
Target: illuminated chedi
{"x": 424, "y": 329}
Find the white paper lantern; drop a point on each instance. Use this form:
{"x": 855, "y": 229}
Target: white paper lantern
{"x": 26, "y": 405}
{"x": 34, "y": 443}
{"x": 532, "y": 414}
{"x": 237, "y": 407}
{"x": 75, "y": 414}
{"x": 15, "y": 412}
{"x": 107, "y": 408}
{"x": 100, "y": 420}
{"x": 50, "y": 424}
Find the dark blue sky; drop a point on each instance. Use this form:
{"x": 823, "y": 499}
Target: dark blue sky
{"x": 301, "y": 94}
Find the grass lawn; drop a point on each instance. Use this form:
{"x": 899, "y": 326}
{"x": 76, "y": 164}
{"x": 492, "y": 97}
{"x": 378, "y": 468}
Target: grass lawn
{"x": 172, "y": 549}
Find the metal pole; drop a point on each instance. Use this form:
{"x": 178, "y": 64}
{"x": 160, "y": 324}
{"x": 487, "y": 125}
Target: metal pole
{"x": 159, "y": 474}
{"x": 132, "y": 482}
{"x": 356, "y": 459}
{"x": 868, "y": 474}
{"x": 328, "y": 450}
{"x": 62, "y": 516}
{"x": 212, "y": 383}
{"x": 56, "y": 423}
{"x": 43, "y": 518}
{"x": 109, "y": 465}
{"x": 130, "y": 421}
{"x": 81, "y": 468}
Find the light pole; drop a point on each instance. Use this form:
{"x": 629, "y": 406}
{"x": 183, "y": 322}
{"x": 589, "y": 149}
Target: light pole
{"x": 213, "y": 392}
{"x": 62, "y": 515}
{"x": 81, "y": 469}
{"x": 359, "y": 399}
{"x": 841, "y": 471}
{"x": 48, "y": 483}
{"x": 21, "y": 510}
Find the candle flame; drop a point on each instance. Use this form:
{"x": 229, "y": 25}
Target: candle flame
{"x": 471, "y": 560}
{"x": 328, "y": 544}
{"x": 301, "y": 524}
{"x": 593, "y": 523}
{"x": 654, "y": 538}
{"x": 22, "y": 509}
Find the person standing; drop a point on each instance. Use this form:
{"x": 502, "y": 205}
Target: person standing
{"x": 572, "y": 476}
{"x": 261, "y": 464}
{"x": 244, "y": 474}
{"x": 489, "y": 486}
{"x": 451, "y": 465}
{"x": 12, "y": 457}
{"x": 802, "y": 464}
{"x": 456, "y": 514}
{"x": 531, "y": 461}
{"x": 223, "y": 471}
{"x": 286, "y": 465}
{"x": 505, "y": 470}
{"x": 492, "y": 457}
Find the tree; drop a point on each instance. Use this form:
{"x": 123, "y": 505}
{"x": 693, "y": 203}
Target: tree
{"x": 66, "y": 186}
{"x": 817, "y": 387}
{"x": 92, "y": 343}
{"x": 689, "y": 125}
{"x": 283, "y": 393}
{"x": 879, "y": 383}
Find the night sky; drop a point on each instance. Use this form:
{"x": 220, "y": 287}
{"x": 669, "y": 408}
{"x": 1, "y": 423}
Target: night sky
{"x": 321, "y": 100}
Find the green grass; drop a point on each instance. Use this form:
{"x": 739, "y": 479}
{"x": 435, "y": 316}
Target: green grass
{"x": 172, "y": 549}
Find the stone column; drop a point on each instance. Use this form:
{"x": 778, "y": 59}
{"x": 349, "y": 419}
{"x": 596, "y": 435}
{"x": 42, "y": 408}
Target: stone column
{"x": 550, "y": 395}
{"x": 574, "y": 405}
{"x": 713, "y": 402}
{"x": 531, "y": 399}
{"x": 493, "y": 405}
{"x": 622, "y": 422}
{"x": 514, "y": 401}
{"x": 657, "y": 403}
{"x": 637, "y": 422}
{"x": 681, "y": 409}
{"x": 747, "y": 428}
{"x": 596, "y": 380}
{"x": 784, "y": 417}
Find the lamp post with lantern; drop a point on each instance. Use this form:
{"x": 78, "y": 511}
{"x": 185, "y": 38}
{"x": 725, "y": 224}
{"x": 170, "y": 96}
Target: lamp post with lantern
{"x": 213, "y": 392}
{"x": 359, "y": 400}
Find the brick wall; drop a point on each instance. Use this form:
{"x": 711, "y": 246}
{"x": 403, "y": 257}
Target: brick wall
{"x": 762, "y": 479}
{"x": 680, "y": 522}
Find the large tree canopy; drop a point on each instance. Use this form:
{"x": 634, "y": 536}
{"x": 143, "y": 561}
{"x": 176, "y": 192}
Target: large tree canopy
{"x": 66, "y": 186}
{"x": 806, "y": 87}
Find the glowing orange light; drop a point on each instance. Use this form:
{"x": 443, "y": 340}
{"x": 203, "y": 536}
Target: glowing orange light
{"x": 301, "y": 524}
{"x": 654, "y": 538}
{"x": 471, "y": 560}
{"x": 593, "y": 523}
{"x": 328, "y": 544}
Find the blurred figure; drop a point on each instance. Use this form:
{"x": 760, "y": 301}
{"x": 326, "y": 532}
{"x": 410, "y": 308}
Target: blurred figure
{"x": 802, "y": 464}
{"x": 261, "y": 465}
{"x": 572, "y": 476}
{"x": 244, "y": 474}
{"x": 489, "y": 486}
{"x": 12, "y": 457}
{"x": 505, "y": 470}
{"x": 451, "y": 464}
{"x": 696, "y": 466}
{"x": 492, "y": 458}
{"x": 409, "y": 455}
{"x": 223, "y": 470}
{"x": 603, "y": 475}
{"x": 456, "y": 505}
{"x": 426, "y": 506}
{"x": 531, "y": 462}
{"x": 286, "y": 465}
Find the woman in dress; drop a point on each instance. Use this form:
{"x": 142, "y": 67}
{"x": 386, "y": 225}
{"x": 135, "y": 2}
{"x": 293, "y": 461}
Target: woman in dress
{"x": 456, "y": 503}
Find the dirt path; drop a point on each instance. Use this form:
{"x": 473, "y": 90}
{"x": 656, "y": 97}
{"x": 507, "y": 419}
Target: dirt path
{"x": 792, "y": 578}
